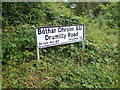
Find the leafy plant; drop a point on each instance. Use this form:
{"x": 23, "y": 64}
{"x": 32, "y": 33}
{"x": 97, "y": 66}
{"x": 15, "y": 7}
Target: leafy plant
{"x": 63, "y": 66}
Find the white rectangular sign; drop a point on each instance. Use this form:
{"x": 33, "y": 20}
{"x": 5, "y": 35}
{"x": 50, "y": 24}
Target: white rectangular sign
{"x": 58, "y": 35}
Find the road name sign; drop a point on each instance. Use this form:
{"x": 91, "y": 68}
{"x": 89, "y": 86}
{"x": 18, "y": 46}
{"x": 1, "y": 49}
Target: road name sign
{"x": 58, "y": 35}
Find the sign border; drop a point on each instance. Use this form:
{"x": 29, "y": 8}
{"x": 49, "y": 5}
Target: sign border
{"x": 59, "y": 43}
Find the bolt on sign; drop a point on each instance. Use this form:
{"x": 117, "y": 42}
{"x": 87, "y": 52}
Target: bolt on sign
{"x": 58, "y": 35}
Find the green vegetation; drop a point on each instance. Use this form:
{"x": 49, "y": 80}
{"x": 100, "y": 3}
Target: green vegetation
{"x": 64, "y": 66}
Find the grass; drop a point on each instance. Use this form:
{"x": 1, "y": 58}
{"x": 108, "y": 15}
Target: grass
{"x": 41, "y": 74}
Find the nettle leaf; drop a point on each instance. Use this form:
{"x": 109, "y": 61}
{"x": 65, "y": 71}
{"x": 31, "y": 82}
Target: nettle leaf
{"x": 13, "y": 45}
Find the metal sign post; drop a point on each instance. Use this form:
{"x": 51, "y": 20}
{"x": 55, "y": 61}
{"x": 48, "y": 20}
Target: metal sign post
{"x": 83, "y": 45}
{"x": 38, "y": 55}
{"x": 37, "y": 48}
